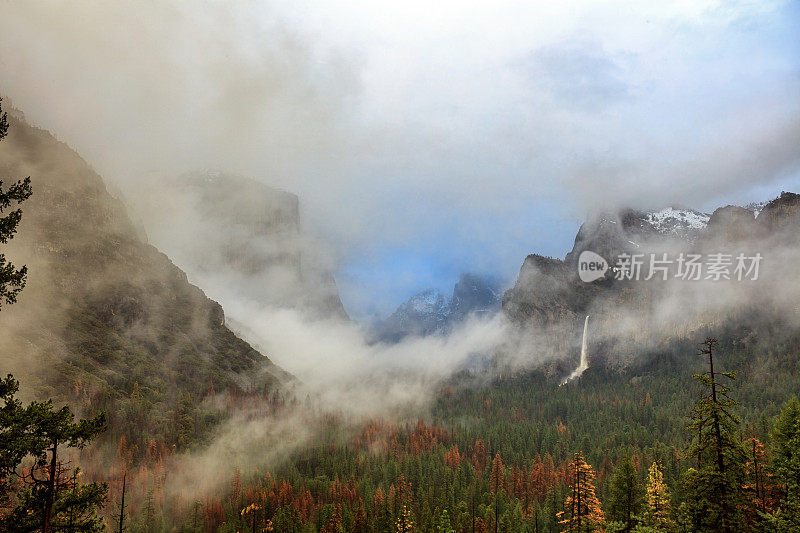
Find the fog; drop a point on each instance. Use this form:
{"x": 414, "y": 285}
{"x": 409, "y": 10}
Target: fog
{"x": 424, "y": 141}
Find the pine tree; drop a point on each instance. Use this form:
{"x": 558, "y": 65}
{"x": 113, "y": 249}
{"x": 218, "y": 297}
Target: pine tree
{"x": 626, "y": 498}
{"x": 497, "y": 481}
{"x": 50, "y": 487}
{"x": 582, "y": 510}
{"x": 755, "y": 488}
{"x": 12, "y": 279}
{"x": 718, "y": 482}
{"x": 443, "y": 525}
{"x": 657, "y": 499}
{"x": 360, "y": 519}
{"x": 785, "y": 464}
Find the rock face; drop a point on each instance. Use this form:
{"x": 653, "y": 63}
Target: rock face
{"x": 782, "y": 213}
{"x": 241, "y": 239}
{"x": 547, "y": 291}
{"x": 431, "y": 312}
{"x": 730, "y": 223}
{"x": 630, "y": 316}
{"x": 104, "y": 310}
{"x": 610, "y": 234}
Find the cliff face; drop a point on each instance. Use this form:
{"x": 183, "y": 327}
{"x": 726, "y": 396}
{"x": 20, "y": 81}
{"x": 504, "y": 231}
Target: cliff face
{"x": 630, "y": 315}
{"x": 782, "y": 214}
{"x": 103, "y": 310}
{"x": 240, "y": 238}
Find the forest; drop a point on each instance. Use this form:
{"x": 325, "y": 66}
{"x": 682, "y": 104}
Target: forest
{"x": 690, "y": 447}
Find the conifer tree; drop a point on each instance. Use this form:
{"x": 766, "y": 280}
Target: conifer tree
{"x": 443, "y": 525}
{"x": 12, "y": 279}
{"x": 360, "y": 519}
{"x": 497, "y": 481}
{"x": 582, "y": 510}
{"x": 657, "y": 499}
{"x": 785, "y": 465}
{"x": 717, "y": 484}
{"x": 626, "y": 498}
{"x": 756, "y": 485}
{"x": 51, "y": 492}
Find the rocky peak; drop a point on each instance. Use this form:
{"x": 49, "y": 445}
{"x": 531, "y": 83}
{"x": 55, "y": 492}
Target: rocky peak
{"x": 474, "y": 294}
{"x": 610, "y": 234}
{"x": 431, "y": 312}
{"x": 781, "y": 213}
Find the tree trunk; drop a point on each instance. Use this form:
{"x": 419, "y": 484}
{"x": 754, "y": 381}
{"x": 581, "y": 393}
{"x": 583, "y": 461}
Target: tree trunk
{"x": 51, "y": 488}
{"x": 122, "y": 505}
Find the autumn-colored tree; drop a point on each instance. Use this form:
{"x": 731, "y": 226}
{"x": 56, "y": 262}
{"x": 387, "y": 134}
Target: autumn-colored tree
{"x": 404, "y": 523}
{"x": 755, "y": 487}
{"x": 452, "y": 458}
{"x": 582, "y": 510}
{"x": 360, "y": 519}
{"x": 251, "y": 511}
{"x": 657, "y": 499}
{"x": 497, "y": 475}
{"x": 479, "y": 456}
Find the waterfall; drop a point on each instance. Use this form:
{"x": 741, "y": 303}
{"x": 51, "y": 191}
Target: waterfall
{"x": 584, "y": 364}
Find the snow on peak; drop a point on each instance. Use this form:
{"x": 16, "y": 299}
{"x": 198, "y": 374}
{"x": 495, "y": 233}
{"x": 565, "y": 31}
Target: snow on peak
{"x": 677, "y": 221}
{"x": 756, "y": 207}
{"x": 429, "y": 301}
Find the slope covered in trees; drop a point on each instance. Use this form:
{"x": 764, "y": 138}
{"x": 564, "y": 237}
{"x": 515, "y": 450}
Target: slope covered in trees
{"x": 106, "y": 321}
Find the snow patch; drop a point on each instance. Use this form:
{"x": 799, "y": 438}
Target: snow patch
{"x": 671, "y": 220}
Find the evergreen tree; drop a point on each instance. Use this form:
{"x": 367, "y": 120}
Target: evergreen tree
{"x": 497, "y": 481}
{"x": 12, "y": 279}
{"x": 443, "y": 525}
{"x": 582, "y": 510}
{"x": 50, "y": 493}
{"x": 718, "y": 482}
{"x": 626, "y": 498}
{"x": 785, "y": 464}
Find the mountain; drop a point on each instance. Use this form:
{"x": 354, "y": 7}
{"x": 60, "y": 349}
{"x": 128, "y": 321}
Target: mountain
{"x": 610, "y": 234}
{"x": 431, "y": 312}
{"x": 240, "y": 238}
{"x": 107, "y": 321}
{"x": 632, "y": 317}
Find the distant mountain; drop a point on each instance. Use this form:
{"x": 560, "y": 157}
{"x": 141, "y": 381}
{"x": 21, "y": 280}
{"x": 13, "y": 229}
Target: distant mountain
{"x": 630, "y": 317}
{"x": 241, "y": 238}
{"x": 431, "y": 312}
{"x": 107, "y": 321}
{"x": 610, "y": 234}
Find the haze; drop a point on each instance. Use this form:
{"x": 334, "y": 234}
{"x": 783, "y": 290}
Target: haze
{"x": 424, "y": 140}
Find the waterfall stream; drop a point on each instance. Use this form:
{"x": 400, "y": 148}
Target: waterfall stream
{"x": 584, "y": 363}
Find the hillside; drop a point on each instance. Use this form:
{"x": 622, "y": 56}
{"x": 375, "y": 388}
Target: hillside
{"x": 240, "y": 238}
{"x": 107, "y": 321}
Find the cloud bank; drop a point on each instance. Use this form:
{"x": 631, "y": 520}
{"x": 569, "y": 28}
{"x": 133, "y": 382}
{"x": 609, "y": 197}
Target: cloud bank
{"x": 423, "y": 140}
